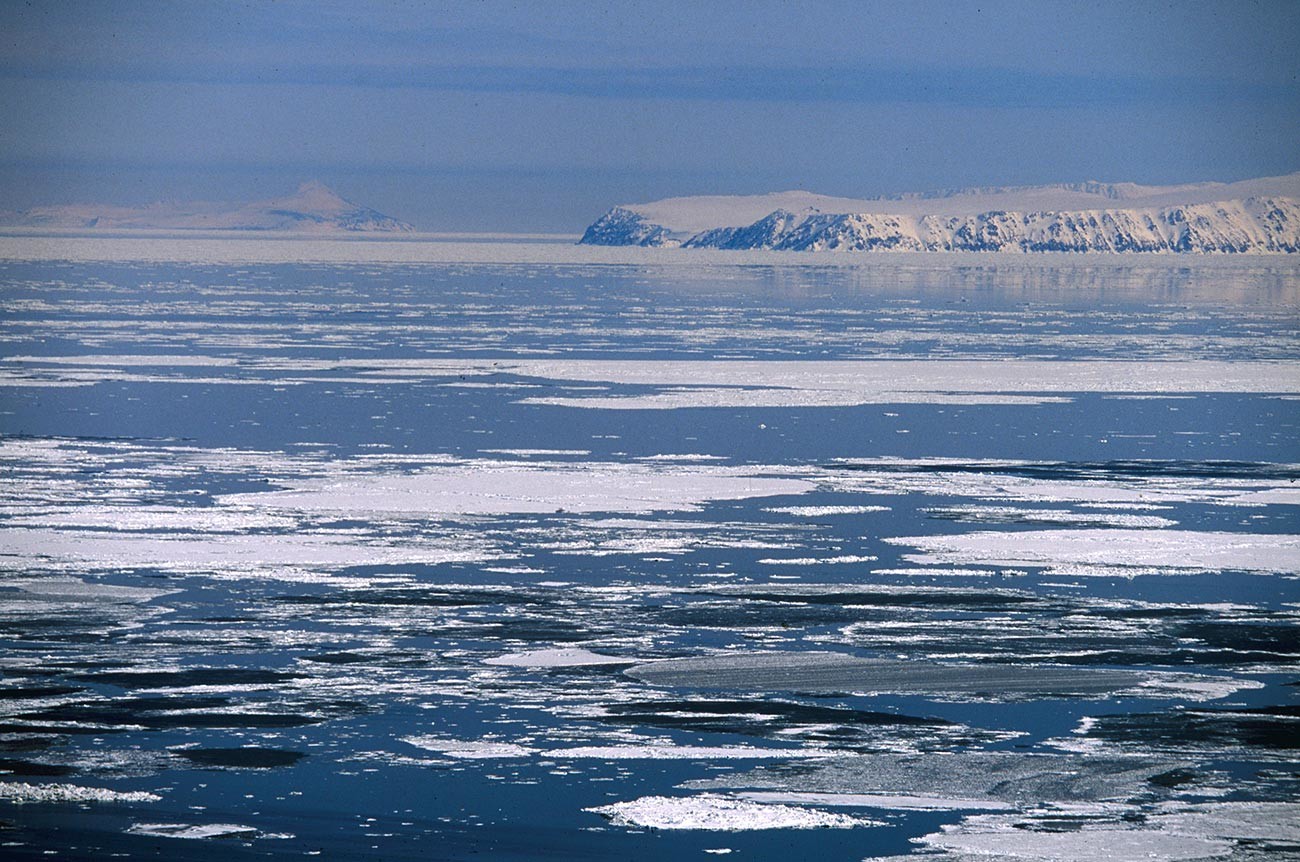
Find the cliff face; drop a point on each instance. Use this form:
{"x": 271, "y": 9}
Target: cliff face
{"x": 623, "y": 227}
{"x": 1124, "y": 219}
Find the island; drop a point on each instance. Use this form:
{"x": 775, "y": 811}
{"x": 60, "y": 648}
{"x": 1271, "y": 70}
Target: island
{"x": 1258, "y": 215}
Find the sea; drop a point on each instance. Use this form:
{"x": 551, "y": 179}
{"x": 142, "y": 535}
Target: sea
{"x": 496, "y": 548}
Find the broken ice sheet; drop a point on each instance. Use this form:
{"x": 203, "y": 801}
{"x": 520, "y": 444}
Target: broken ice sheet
{"x": 1172, "y": 831}
{"x": 836, "y": 728}
{"x": 279, "y": 555}
{"x": 1018, "y": 515}
{"x": 965, "y": 779}
{"x": 787, "y": 383}
{"x": 828, "y": 672}
{"x": 548, "y": 658}
{"x": 491, "y": 488}
{"x": 1084, "y": 845}
{"x": 1137, "y": 485}
{"x": 1112, "y": 552}
{"x": 1260, "y": 733}
{"x": 1023, "y": 626}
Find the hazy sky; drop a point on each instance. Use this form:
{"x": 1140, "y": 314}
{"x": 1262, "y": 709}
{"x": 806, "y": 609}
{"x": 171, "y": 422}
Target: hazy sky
{"x": 539, "y": 115}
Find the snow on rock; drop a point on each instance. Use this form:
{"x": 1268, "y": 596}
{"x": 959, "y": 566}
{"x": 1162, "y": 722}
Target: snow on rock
{"x": 1260, "y": 215}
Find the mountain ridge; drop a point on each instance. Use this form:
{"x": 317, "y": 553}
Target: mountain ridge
{"x": 1257, "y": 215}
{"x": 313, "y": 208}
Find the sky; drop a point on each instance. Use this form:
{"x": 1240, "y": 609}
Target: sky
{"x": 538, "y": 116}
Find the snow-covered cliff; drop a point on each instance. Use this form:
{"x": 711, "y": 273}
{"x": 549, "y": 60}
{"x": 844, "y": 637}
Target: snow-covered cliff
{"x": 1251, "y": 216}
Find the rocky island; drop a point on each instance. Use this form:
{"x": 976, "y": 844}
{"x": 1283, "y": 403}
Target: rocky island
{"x": 1260, "y": 215}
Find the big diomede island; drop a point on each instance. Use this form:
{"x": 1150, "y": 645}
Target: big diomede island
{"x": 1260, "y": 216}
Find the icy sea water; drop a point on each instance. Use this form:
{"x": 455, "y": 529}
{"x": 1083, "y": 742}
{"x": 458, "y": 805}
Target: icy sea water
{"x": 541, "y": 557}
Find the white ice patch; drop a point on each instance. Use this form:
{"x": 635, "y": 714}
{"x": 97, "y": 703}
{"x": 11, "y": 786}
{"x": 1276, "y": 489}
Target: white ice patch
{"x": 989, "y": 480}
{"x": 536, "y": 453}
{"x": 487, "y": 749}
{"x": 224, "y": 553}
{"x": 684, "y": 752}
{"x": 470, "y": 749}
{"x": 1173, "y": 831}
{"x": 21, "y": 792}
{"x": 1088, "y": 845}
{"x": 1013, "y": 514}
{"x": 719, "y": 813}
{"x": 816, "y": 561}
{"x": 157, "y": 518}
{"x": 794, "y": 383}
{"x": 1250, "y": 821}
{"x": 75, "y": 590}
{"x": 546, "y": 488}
{"x": 185, "y": 830}
{"x": 879, "y": 800}
{"x": 824, "y": 511}
{"x": 569, "y": 657}
{"x": 1073, "y": 551}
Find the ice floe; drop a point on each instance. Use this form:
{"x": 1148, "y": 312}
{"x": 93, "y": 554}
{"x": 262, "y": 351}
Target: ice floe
{"x": 684, "y": 752}
{"x": 465, "y": 749}
{"x": 1171, "y": 830}
{"x": 565, "y": 657}
{"x": 1085, "y": 845}
{"x": 817, "y": 561}
{"x": 191, "y": 832}
{"x": 1134, "y": 485}
{"x": 719, "y": 813}
{"x": 25, "y": 549}
{"x": 495, "y": 489}
{"x": 470, "y": 749}
{"x": 21, "y": 792}
{"x": 839, "y": 672}
{"x": 76, "y": 590}
{"x": 1112, "y": 552}
{"x": 824, "y": 511}
{"x": 877, "y": 800}
{"x": 958, "y": 780}
{"x": 1013, "y": 515}
{"x": 813, "y": 383}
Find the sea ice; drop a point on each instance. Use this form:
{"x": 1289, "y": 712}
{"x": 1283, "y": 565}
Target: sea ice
{"x": 1086, "y": 845}
{"x": 185, "y": 830}
{"x": 1116, "y": 550}
{"x": 565, "y": 657}
{"x": 546, "y": 488}
{"x": 714, "y": 812}
{"x": 21, "y": 792}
